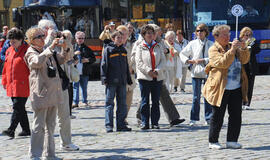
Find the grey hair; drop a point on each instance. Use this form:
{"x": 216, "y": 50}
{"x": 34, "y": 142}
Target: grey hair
{"x": 169, "y": 33}
{"x": 45, "y": 23}
{"x": 218, "y": 28}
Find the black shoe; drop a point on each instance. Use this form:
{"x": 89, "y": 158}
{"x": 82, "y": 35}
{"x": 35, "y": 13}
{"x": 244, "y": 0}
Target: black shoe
{"x": 155, "y": 127}
{"x": 182, "y": 91}
{"x": 144, "y": 127}
{"x": 24, "y": 133}
{"x": 175, "y": 89}
{"x": 109, "y": 129}
{"x": 9, "y": 133}
{"x": 176, "y": 122}
{"x": 124, "y": 129}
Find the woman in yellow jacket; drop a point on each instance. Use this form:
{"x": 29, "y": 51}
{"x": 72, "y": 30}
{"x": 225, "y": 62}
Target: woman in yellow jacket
{"x": 226, "y": 85}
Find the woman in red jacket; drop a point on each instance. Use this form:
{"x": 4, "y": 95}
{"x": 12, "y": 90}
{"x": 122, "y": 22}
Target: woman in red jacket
{"x": 15, "y": 81}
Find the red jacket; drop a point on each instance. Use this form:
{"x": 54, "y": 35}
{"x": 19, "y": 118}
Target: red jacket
{"x": 15, "y": 72}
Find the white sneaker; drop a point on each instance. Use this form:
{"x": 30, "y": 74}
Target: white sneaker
{"x": 215, "y": 146}
{"x": 84, "y": 105}
{"x": 207, "y": 123}
{"x": 245, "y": 107}
{"x": 233, "y": 145}
{"x": 70, "y": 147}
{"x": 72, "y": 117}
{"x": 192, "y": 123}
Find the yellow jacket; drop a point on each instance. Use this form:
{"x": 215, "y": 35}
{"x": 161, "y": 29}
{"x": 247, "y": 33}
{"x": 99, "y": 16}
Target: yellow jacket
{"x": 217, "y": 70}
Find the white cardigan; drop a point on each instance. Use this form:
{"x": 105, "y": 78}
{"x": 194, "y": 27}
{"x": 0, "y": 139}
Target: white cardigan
{"x": 194, "y": 51}
{"x": 143, "y": 62}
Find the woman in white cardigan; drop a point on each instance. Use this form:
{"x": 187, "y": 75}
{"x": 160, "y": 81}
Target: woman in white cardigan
{"x": 196, "y": 55}
{"x": 173, "y": 62}
{"x": 150, "y": 62}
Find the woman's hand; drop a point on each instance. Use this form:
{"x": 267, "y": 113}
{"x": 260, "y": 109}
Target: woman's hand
{"x": 152, "y": 74}
{"x": 191, "y": 61}
{"x": 199, "y": 61}
{"x": 235, "y": 45}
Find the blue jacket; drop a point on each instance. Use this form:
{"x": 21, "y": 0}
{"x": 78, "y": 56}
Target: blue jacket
{"x": 114, "y": 66}
{"x": 3, "y": 51}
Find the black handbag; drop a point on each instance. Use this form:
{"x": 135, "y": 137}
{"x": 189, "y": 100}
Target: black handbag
{"x": 62, "y": 74}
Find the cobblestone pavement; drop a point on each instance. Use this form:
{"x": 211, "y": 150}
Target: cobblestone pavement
{"x": 180, "y": 142}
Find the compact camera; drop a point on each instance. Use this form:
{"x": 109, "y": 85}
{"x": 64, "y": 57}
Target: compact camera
{"x": 51, "y": 71}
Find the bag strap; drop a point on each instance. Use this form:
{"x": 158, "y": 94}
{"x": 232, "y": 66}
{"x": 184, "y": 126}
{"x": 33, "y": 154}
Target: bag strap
{"x": 60, "y": 70}
{"x": 203, "y": 50}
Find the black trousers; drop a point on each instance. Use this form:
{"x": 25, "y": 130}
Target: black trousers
{"x": 233, "y": 100}
{"x": 70, "y": 96}
{"x": 19, "y": 114}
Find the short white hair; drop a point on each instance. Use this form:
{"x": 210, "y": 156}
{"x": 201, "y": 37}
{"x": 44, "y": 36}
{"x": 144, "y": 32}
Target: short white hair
{"x": 45, "y": 23}
{"x": 169, "y": 34}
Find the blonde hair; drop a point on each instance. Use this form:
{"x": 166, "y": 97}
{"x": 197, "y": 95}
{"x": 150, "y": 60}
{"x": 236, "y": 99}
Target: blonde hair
{"x": 122, "y": 27}
{"x": 218, "y": 28}
{"x": 68, "y": 35}
{"x": 245, "y": 30}
{"x": 31, "y": 32}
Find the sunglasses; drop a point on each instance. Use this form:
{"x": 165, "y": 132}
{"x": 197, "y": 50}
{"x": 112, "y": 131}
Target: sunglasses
{"x": 247, "y": 35}
{"x": 80, "y": 38}
{"x": 39, "y": 36}
{"x": 200, "y": 30}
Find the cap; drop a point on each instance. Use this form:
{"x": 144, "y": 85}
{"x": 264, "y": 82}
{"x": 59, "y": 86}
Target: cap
{"x": 111, "y": 23}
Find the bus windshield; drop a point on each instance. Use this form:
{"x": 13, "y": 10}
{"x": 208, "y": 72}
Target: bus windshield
{"x": 256, "y": 13}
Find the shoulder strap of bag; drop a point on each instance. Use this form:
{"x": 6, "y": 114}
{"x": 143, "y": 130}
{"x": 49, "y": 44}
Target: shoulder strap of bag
{"x": 60, "y": 70}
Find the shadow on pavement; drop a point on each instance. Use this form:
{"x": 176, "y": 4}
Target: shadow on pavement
{"x": 5, "y": 112}
{"x": 79, "y": 134}
{"x": 256, "y": 124}
{"x": 258, "y": 148}
{"x": 92, "y": 118}
{"x": 114, "y": 157}
{"x": 117, "y": 150}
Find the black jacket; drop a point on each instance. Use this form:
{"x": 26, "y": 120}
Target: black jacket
{"x": 251, "y": 67}
{"x": 114, "y": 65}
{"x": 86, "y": 52}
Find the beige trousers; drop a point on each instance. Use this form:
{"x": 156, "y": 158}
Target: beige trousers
{"x": 183, "y": 79}
{"x": 44, "y": 121}
{"x": 64, "y": 120}
{"x": 129, "y": 99}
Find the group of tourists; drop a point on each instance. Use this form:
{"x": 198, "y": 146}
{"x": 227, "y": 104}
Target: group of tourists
{"x": 45, "y": 66}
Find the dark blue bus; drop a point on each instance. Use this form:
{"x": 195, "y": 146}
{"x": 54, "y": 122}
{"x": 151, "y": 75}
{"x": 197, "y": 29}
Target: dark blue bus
{"x": 256, "y": 15}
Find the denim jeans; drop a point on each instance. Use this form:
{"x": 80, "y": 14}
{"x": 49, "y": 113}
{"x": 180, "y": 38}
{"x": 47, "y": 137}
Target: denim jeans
{"x": 195, "y": 110}
{"x": 121, "y": 112}
{"x": 83, "y": 83}
{"x": 147, "y": 87}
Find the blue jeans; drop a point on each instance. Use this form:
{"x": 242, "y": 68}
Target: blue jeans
{"x": 147, "y": 87}
{"x": 121, "y": 112}
{"x": 195, "y": 110}
{"x": 83, "y": 83}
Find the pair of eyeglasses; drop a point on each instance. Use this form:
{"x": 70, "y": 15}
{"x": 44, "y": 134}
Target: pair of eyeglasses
{"x": 200, "y": 30}
{"x": 81, "y": 38}
{"x": 39, "y": 36}
{"x": 149, "y": 32}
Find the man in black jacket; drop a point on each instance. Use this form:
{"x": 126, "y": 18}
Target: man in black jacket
{"x": 85, "y": 57}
